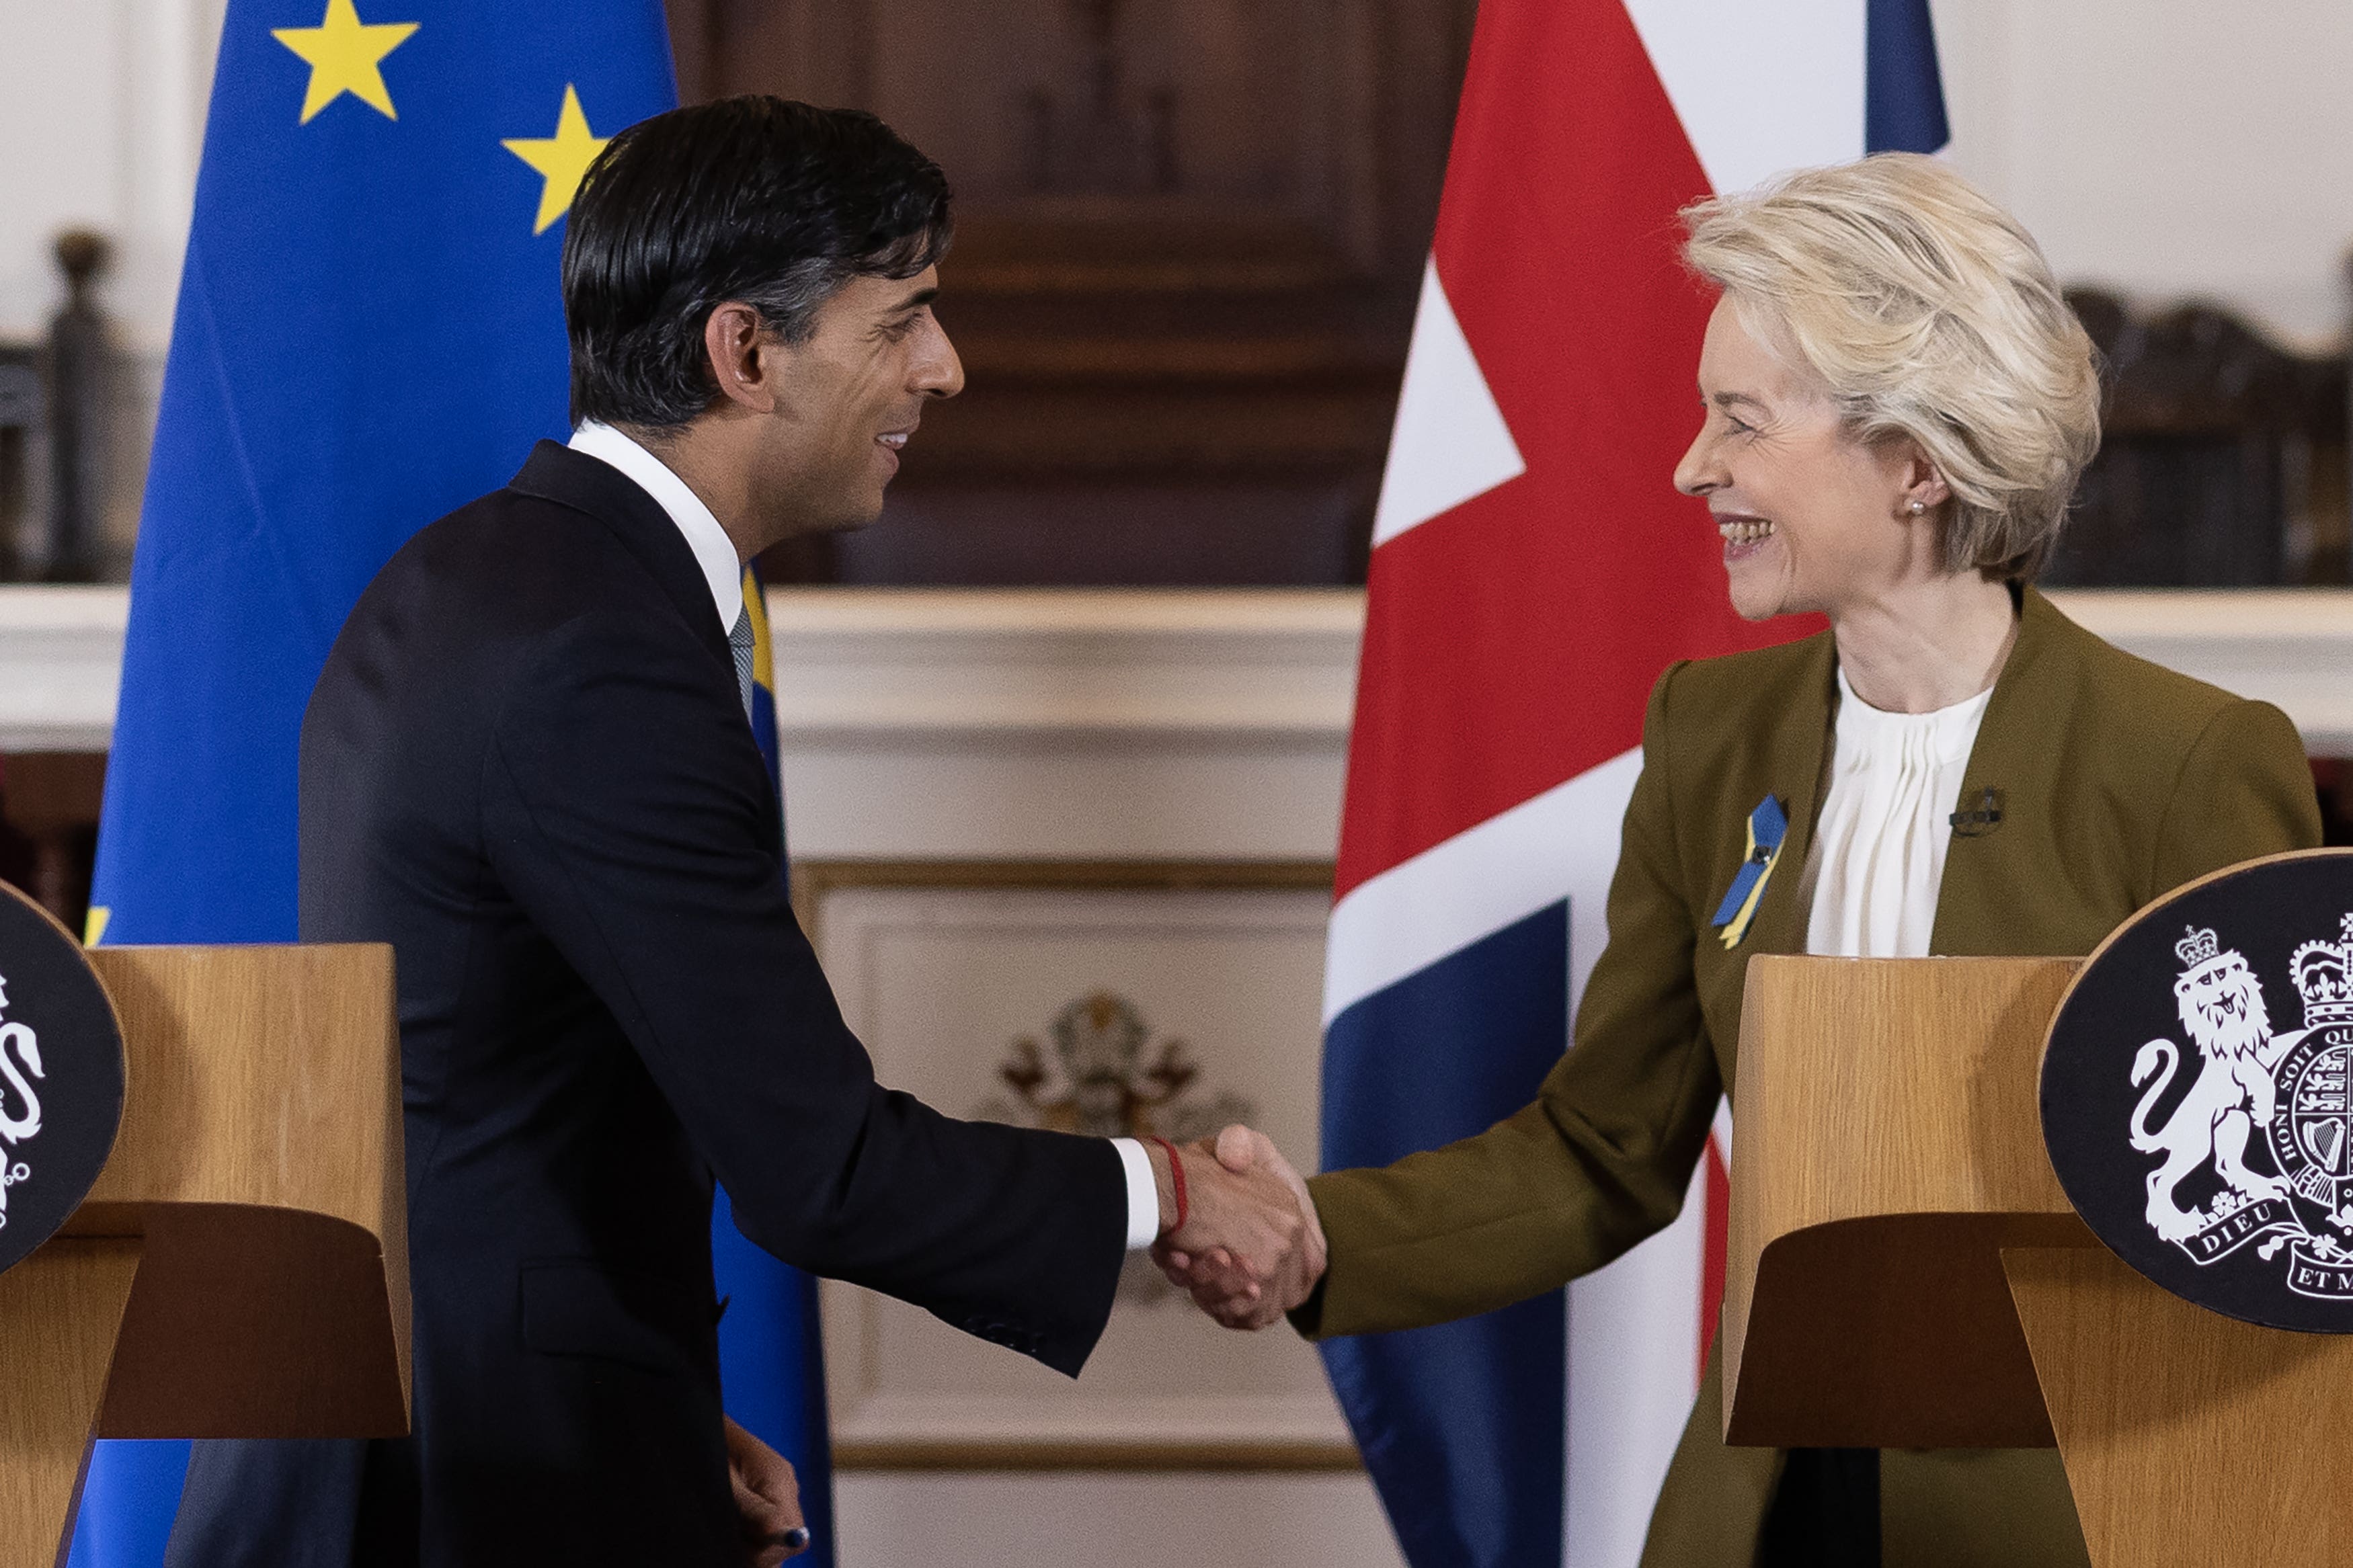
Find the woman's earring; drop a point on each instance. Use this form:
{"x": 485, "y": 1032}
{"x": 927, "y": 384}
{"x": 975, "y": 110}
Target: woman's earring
{"x": 1919, "y": 507}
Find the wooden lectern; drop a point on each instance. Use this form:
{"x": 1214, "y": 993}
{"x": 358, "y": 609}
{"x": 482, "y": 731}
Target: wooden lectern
{"x": 240, "y": 1269}
{"x": 1905, "y": 1272}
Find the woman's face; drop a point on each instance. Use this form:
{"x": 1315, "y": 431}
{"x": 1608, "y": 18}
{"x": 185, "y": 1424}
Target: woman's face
{"x": 1811, "y": 519}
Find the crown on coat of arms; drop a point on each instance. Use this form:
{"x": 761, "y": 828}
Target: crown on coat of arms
{"x": 2197, "y": 948}
{"x": 2323, "y": 973}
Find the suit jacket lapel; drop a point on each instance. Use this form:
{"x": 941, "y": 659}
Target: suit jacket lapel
{"x": 1793, "y": 772}
{"x": 586, "y": 484}
{"x": 590, "y": 485}
{"x": 1998, "y": 761}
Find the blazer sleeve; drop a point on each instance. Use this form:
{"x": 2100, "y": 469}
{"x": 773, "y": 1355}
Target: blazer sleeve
{"x": 622, "y": 812}
{"x": 1600, "y": 1161}
{"x": 2245, "y": 791}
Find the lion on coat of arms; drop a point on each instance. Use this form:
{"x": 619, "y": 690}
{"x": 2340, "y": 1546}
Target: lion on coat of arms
{"x": 2221, "y": 1004}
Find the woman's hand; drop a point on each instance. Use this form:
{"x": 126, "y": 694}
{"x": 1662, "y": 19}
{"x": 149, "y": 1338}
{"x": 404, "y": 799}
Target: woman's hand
{"x": 767, "y": 1496}
{"x": 1236, "y": 1296}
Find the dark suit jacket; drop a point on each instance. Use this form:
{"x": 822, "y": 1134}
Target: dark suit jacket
{"x": 527, "y": 767}
{"x": 2120, "y": 781}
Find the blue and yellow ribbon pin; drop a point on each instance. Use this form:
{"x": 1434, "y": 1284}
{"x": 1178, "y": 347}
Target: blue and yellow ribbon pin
{"x": 1768, "y": 826}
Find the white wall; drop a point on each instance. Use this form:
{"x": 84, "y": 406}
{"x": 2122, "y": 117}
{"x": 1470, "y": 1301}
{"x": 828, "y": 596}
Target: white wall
{"x": 101, "y": 116}
{"x": 101, "y": 113}
{"x": 2168, "y": 147}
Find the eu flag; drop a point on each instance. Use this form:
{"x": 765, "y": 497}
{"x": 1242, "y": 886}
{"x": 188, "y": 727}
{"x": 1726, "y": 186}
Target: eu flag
{"x": 369, "y": 334}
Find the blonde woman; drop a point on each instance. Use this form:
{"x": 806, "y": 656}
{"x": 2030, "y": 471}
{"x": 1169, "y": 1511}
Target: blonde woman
{"x": 1897, "y": 407}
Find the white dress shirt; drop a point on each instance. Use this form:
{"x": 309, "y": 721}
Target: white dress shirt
{"x": 723, "y": 571}
{"x": 1878, "y": 857}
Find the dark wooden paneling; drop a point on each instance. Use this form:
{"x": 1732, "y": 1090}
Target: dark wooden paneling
{"x": 48, "y": 827}
{"x": 1189, "y": 236}
{"x": 21, "y": 418}
{"x": 2223, "y": 461}
{"x": 1301, "y": 534}
{"x": 1333, "y": 111}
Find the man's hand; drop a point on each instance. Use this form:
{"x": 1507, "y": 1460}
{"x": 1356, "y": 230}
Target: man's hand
{"x": 767, "y": 1496}
{"x": 1251, "y": 1247}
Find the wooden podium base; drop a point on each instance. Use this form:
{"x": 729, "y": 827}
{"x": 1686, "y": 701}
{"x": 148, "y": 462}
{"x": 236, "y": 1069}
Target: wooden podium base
{"x": 60, "y": 1310}
{"x": 239, "y": 1268}
{"x": 2191, "y": 1440}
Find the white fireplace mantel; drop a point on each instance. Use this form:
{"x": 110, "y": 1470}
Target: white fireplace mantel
{"x": 1238, "y": 663}
{"x": 1128, "y": 724}
{"x": 1113, "y": 725}
{"x": 61, "y": 664}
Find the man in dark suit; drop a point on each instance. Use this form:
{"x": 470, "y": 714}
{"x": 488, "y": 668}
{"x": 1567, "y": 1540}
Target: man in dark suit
{"x": 527, "y": 765}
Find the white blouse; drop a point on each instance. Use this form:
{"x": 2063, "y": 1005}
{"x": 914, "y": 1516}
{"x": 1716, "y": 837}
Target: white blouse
{"x": 1878, "y": 855}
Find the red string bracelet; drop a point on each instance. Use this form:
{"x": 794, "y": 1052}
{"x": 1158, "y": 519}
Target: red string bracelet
{"x": 1176, "y": 1176}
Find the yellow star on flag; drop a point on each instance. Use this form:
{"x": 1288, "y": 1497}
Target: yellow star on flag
{"x": 562, "y": 158}
{"x": 345, "y": 55}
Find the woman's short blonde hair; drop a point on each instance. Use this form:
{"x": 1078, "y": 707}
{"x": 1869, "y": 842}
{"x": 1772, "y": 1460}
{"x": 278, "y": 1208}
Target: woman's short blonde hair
{"x": 1926, "y": 311}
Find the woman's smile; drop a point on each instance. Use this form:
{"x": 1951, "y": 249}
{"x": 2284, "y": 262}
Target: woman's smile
{"x": 1744, "y": 535}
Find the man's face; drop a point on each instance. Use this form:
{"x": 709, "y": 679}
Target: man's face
{"x": 848, "y": 399}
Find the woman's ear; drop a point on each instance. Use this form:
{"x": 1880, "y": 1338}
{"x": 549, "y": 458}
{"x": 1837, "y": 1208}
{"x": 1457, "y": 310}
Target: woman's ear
{"x": 1923, "y": 485}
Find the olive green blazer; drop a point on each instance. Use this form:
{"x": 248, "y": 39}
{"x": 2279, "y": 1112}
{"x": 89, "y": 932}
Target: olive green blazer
{"x": 2119, "y": 781}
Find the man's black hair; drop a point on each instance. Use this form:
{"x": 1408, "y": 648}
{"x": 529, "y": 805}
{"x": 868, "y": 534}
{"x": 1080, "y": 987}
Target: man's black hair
{"x": 758, "y": 199}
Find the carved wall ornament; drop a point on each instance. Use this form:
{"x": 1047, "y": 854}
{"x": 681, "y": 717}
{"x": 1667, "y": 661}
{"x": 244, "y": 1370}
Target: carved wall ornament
{"x": 1100, "y": 1073}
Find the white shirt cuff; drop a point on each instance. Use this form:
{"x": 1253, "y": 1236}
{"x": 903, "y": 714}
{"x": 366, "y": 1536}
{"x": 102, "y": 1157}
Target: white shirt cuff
{"x": 1143, "y": 1194}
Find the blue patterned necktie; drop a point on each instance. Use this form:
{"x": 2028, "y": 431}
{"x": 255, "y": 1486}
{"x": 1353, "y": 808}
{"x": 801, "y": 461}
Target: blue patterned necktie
{"x": 739, "y": 637}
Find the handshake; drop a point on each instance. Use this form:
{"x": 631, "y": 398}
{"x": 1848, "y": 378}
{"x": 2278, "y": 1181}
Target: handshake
{"x": 1246, "y": 1244}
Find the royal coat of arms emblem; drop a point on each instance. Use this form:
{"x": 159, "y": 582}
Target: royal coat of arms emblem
{"x": 2284, "y": 1092}
{"x": 2237, "y": 1134}
{"x": 61, "y": 1076}
{"x": 20, "y": 1097}
{"x": 1101, "y": 1072}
